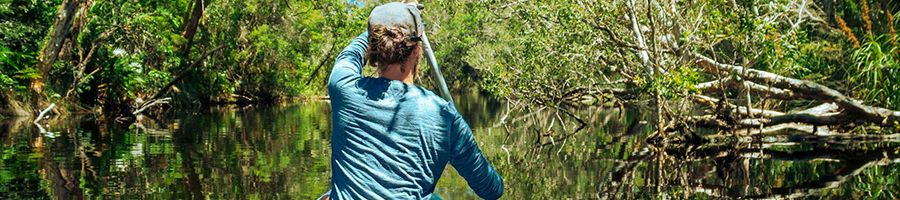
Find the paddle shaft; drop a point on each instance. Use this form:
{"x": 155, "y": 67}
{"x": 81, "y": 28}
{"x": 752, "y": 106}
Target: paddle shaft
{"x": 435, "y": 70}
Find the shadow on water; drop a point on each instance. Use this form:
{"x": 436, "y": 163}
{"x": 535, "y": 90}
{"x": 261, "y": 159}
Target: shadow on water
{"x": 283, "y": 152}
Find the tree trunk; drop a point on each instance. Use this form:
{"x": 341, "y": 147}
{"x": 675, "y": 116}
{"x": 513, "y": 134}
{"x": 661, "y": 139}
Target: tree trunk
{"x": 189, "y": 26}
{"x": 49, "y": 53}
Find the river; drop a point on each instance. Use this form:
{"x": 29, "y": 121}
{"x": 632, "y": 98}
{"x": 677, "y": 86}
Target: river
{"x": 282, "y": 152}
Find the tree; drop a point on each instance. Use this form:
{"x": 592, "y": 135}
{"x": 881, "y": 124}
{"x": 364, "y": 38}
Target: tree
{"x": 58, "y": 33}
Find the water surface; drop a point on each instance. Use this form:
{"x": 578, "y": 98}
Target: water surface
{"x": 282, "y": 152}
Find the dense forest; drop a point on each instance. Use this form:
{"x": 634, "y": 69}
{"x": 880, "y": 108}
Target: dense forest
{"x": 573, "y": 99}
{"x": 123, "y": 58}
{"x": 112, "y": 56}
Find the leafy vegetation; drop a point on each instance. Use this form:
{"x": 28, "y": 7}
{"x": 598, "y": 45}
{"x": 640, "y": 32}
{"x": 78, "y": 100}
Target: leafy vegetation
{"x": 119, "y": 53}
{"x": 115, "y": 56}
{"x": 21, "y": 32}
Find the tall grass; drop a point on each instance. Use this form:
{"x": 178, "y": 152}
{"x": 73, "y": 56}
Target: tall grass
{"x": 874, "y": 74}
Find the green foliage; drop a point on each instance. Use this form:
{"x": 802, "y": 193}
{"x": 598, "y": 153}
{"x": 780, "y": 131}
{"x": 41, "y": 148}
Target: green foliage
{"x": 518, "y": 52}
{"x": 135, "y": 50}
{"x": 455, "y": 30}
{"x": 21, "y": 31}
{"x": 24, "y": 23}
{"x": 127, "y": 74}
{"x": 535, "y": 50}
{"x": 678, "y": 82}
{"x": 16, "y": 69}
{"x": 274, "y": 50}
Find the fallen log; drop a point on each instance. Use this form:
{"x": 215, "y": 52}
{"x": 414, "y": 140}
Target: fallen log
{"x": 740, "y": 110}
{"x": 806, "y": 118}
{"x": 754, "y": 88}
{"x": 40, "y": 117}
{"x": 821, "y": 109}
{"x": 854, "y": 109}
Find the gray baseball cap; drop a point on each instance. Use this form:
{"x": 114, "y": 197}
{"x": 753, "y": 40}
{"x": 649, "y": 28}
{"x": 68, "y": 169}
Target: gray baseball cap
{"x": 402, "y": 15}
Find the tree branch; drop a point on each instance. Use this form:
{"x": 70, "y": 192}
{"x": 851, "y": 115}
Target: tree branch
{"x": 150, "y": 104}
{"x": 741, "y": 110}
{"x": 806, "y": 89}
{"x": 162, "y": 91}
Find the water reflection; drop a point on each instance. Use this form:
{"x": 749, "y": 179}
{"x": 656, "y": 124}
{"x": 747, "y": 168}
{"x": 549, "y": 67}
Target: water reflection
{"x": 218, "y": 153}
{"x": 283, "y": 152}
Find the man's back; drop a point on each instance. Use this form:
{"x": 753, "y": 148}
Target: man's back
{"x": 392, "y": 140}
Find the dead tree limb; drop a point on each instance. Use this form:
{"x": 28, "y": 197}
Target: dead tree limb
{"x": 768, "y": 91}
{"x": 821, "y": 109}
{"x": 150, "y": 104}
{"x": 806, "y": 89}
{"x": 741, "y": 110}
{"x": 642, "y": 53}
{"x": 715, "y": 85}
{"x": 787, "y": 127}
{"x": 44, "y": 112}
{"x": 806, "y": 118}
{"x": 754, "y": 88}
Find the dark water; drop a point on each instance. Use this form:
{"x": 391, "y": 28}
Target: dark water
{"x": 283, "y": 153}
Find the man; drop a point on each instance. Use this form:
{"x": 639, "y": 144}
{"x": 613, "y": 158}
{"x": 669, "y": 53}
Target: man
{"x": 390, "y": 138}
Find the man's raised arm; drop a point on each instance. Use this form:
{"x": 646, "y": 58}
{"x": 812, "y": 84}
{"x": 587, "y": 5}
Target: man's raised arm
{"x": 348, "y": 65}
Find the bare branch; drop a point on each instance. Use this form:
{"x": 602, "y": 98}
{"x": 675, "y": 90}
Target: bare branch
{"x": 806, "y": 89}
{"x": 151, "y": 104}
{"x": 741, "y": 110}
{"x": 642, "y": 53}
{"x": 754, "y": 88}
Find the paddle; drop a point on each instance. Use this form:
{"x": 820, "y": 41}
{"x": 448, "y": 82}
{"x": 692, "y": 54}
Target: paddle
{"x": 432, "y": 61}
{"x": 435, "y": 70}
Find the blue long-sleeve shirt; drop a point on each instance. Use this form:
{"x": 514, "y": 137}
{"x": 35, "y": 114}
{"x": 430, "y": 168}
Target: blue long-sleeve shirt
{"x": 392, "y": 140}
